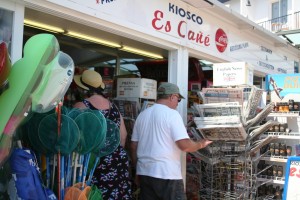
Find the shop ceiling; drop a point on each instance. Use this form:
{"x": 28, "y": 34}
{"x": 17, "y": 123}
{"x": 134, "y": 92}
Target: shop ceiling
{"x": 86, "y": 53}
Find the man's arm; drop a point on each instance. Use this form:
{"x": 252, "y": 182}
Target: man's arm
{"x": 188, "y": 145}
{"x": 133, "y": 152}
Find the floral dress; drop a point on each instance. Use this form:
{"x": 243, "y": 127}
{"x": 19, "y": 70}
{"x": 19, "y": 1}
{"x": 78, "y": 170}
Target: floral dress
{"x": 112, "y": 174}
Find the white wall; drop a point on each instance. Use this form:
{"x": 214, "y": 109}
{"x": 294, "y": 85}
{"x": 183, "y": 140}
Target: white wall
{"x": 296, "y": 5}
{"x": 260, "y": 10}
{"x": 235, "y": 32}
{"x": 234, "y": 5}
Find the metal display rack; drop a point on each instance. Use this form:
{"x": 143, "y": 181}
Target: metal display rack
{"x": 270, "y": 180}
{"x": 225, "y": 172}
{"x": 227, "y": 165}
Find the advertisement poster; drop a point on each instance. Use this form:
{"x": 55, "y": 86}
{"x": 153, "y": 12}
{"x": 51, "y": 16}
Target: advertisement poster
{"x": 283, "y": 87}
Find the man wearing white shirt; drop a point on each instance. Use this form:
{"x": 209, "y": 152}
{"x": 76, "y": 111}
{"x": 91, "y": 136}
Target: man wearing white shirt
{"x": 159, "y": 136}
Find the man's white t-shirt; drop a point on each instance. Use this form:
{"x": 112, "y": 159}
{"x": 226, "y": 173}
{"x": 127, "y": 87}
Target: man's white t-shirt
{"x": 156, "y": 130}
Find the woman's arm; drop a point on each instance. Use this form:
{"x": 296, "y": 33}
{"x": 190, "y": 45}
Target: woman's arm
{"x": 123, "y": 132}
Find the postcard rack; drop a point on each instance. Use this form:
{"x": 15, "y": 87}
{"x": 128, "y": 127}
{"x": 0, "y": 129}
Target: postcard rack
{"x": 225, "y": 117}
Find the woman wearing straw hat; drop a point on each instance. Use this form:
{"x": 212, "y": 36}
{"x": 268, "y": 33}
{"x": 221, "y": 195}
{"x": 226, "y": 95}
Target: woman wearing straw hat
{"x": 112, "y": 174}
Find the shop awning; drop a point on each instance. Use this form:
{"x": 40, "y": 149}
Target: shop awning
{"x": 292, "y": 36}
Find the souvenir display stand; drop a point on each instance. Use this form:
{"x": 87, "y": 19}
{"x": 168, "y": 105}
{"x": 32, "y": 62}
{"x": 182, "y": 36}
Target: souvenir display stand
{"x": 229, "y": 117}
{"x": 252, "y": 144}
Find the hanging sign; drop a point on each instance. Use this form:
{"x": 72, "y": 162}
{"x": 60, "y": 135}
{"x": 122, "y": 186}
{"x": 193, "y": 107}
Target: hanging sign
{"x": 292, "y": 179}
{"x": 137, "y": 88}
{"x": 234, "y": 73}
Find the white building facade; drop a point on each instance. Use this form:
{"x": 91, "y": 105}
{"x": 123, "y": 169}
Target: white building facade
{"x": 206, "y": 30}
{"x": 281, "y": 17}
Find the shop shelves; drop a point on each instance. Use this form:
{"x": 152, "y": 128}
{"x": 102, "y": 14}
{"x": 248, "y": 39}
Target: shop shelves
{"x": 285, "y": 114}
{"x": 283, "y": 135}
{"x": 274, "y": 180}
{"x": 281, "y": 159}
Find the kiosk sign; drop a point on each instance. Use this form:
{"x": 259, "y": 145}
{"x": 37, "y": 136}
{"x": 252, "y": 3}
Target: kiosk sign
{"x": 235, "y": 73}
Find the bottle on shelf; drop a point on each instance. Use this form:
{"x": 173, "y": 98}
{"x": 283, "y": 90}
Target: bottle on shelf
{"x": 291, "y": 105}
{"x": 274, "y": 170}
{"x": 279, "y": 171}
{"x": 276, "y": 149}
{"x": 278, "y": 194}
{"x": 272, "y": 150}
{"x": 296, "y": 106}
{"x": 282, "y": 149}
{"x": 288, "y": 150}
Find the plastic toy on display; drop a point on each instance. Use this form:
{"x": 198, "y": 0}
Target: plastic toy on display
{"x": 32, "y": 80}
{"x": 5, "y": 66}
{"x": 57, "y": 77}
{"x": 25, "y": 74}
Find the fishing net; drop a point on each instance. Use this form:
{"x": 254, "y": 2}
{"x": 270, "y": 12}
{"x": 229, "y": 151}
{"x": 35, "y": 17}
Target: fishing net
{"x": 112, "y": 140}
{"x": 90, "y": 126}
{"x": 95, "y": 193}
{"x": 101, "y": 136}
{"x": 84, "y": 193}
{"x": 33, "y": 136}
{"x": 76, "y": 193}
{"x": 27, "y": 132}
{"x": 66, "y": 141}
{"x": 65, "y": 110}
{"x": 74, "y": 112}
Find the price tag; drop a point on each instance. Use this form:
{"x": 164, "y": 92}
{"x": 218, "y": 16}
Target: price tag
{"x": 292, "y": 179}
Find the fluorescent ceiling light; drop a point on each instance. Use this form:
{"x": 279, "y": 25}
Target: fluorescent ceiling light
{"x": 141, "y": 52}
{"x": 42, "y": 26}
{"x": 206, "y": 68}
{"x": 89, "y": 38}
{"x": 206, "y": 62}
{"x": 92, "y": 39}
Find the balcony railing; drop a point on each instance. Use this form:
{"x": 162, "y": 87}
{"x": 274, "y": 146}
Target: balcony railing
{"x": 283, "y": 23}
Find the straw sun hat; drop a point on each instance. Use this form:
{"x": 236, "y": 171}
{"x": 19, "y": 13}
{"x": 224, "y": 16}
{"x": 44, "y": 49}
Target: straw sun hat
{"x": 89, "y": 79}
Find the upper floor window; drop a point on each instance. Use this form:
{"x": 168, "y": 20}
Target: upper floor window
{"x": 279, "y": 11}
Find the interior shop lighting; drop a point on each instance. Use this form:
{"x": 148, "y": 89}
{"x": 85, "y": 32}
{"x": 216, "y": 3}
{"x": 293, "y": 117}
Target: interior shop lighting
{"x": 89, "y": 38}
{"x": 92, "y": 39}
{"x": 141, "y": 52}
{"x": 42, "y": 26}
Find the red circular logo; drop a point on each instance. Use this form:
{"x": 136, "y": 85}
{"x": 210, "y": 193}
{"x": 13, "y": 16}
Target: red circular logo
{"x": 221, "y": 40}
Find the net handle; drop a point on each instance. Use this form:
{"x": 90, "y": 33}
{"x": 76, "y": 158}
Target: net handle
{"x": 58, "y": 110}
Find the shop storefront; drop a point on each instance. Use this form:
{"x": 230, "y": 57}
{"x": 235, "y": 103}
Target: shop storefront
{"x": 208, "y": 32}
{"x": 174, "y": 30}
